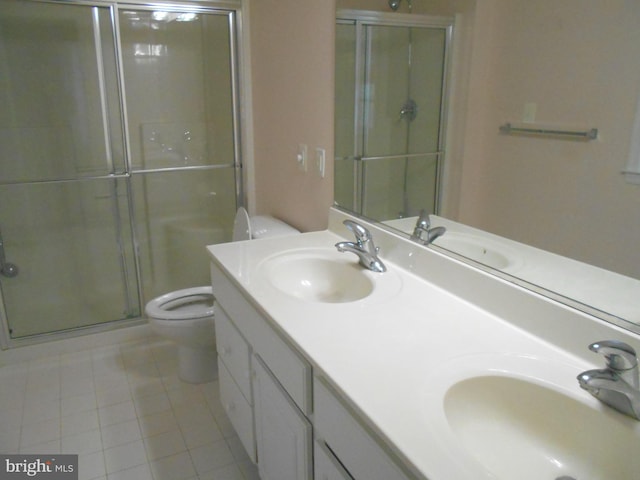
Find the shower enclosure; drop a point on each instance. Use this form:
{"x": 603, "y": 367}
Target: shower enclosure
{"x": 119, "y": 157}
{"x": 390, "y": 104}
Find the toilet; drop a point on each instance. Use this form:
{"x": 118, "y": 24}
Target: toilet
{"x": 186, "y": 316}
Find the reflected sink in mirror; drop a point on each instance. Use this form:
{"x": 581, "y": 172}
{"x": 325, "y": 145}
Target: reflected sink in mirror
{"x": 467, "y": 242}
{"x": 519, "y": 429}
{"x": 318, "y": 276}
{"x": 479, "y": 250}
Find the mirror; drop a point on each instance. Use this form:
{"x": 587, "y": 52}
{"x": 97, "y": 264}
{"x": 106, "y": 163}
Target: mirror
{"x": 559, "y": 203}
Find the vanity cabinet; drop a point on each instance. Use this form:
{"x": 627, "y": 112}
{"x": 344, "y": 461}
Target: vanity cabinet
{"x": 265, "y": 387}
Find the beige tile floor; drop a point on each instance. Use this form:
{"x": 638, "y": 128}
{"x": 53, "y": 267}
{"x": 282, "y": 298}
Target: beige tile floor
{"x": 124, "y": 411}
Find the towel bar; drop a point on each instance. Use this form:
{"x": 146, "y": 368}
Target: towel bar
{"x": 509, "y": 128}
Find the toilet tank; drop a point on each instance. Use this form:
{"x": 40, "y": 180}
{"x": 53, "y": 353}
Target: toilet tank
{"x": 263, "y": 226}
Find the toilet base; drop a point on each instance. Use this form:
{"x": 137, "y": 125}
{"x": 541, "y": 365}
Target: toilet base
{"x": 197, "y": 364}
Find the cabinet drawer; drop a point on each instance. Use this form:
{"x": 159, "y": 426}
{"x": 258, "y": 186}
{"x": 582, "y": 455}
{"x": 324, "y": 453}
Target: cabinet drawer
{"x": 288, "y": 366}
{"x": 233, "y": 351}
{"x": 361, "y": 455}
{"x": 238, "y": 409}
{"x": 326, "y": 466}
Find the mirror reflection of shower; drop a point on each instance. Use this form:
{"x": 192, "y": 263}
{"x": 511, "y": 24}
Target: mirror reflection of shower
{"x": 408, "y": 112}
{"x": 389, "y": 107}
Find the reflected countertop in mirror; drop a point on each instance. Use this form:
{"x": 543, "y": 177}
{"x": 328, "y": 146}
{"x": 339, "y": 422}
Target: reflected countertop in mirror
{"x": 593, "y": 287}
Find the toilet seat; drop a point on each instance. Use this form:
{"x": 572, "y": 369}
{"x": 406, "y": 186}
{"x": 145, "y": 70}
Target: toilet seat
{"x": 162, "y": 307}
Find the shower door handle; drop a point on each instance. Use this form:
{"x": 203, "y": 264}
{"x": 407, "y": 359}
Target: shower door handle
{"x": 409, "y": 110}
{"x": 7, "y": 269}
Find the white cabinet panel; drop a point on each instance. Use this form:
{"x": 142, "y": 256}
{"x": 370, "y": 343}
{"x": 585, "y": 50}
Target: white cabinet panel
{"x": 283, "y": 434}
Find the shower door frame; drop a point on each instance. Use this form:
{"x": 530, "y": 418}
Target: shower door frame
{"x": 233, "y": 10}
{"x": 361, "y": 20}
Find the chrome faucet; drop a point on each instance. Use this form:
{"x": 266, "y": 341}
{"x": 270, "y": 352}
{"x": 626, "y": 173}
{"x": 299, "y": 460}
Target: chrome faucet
{"x": 363, "y": 247}
{"x": 423, "y": 232}
{"x": 618, "y": 385}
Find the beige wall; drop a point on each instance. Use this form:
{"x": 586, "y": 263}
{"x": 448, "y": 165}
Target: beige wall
{"x": 292, "y": 63}
{"x": 576, "y": 60}
{"x": 573, "y": 58}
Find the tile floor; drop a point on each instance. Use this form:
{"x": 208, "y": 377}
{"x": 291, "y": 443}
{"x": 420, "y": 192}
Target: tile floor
{"x": 124, "y": 411}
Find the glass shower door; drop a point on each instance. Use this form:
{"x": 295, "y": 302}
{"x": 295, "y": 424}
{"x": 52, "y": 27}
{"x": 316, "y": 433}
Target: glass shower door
{"x": 118, "y": 156}
{"x": 64, "y": 213}
{"x": 178, "y": 72}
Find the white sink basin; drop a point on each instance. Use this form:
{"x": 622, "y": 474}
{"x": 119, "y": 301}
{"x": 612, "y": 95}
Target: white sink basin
{"x": 504, "y": 416}
{"x": 479, "y": 249}
{"x": 318, "y": 276}
{"x": 519, "y": 429}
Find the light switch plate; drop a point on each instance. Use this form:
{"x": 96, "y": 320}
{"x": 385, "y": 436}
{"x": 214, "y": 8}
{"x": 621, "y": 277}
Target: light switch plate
{"x": 320, "y": 161}
{"x": 301, "y": 158}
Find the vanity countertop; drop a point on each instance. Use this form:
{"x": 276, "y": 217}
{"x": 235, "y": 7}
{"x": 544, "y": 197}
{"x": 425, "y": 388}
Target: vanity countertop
{"x": 394, "y": 353}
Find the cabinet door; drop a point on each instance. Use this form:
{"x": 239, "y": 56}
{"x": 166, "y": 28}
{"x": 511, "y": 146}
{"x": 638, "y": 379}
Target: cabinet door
{"x": 238, "y": 410}
{"x": 283, "y": 434}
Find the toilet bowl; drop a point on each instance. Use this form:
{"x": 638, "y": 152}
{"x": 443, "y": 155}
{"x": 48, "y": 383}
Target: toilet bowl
{"x": 187, "y": 316}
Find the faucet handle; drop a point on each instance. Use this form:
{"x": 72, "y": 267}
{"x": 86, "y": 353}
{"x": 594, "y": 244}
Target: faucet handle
{"x": 424, "y": 221}
{"x": 361, "y": 233}
{"x": 618, "y": 355}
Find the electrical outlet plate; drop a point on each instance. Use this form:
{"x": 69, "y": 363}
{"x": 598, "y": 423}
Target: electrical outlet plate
{"x": 529, "y": 113}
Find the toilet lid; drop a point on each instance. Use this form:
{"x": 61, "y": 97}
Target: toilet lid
{"x": 241, "y": 226}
